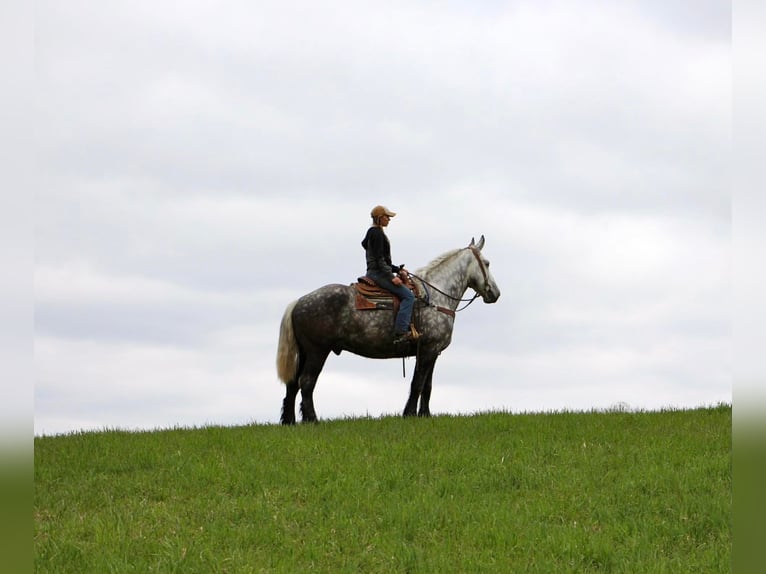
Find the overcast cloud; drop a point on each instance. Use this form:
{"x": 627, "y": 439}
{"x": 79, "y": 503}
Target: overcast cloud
{"x": 203, "y": 164}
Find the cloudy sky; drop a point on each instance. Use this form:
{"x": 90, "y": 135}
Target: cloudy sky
{"x": 205, "y": 163}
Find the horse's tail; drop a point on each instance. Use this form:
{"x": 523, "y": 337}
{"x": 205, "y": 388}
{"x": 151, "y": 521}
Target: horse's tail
{"x": 287, "y": 352}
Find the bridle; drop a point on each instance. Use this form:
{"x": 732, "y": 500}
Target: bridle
{"x": 483, "y": 268}
{"x": 476, "y": 294}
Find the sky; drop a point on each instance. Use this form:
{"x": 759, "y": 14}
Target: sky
{"x": 201, "y": 165}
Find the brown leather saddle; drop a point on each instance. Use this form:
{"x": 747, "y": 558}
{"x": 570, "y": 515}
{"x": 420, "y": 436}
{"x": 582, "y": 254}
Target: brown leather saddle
{"x": 371, "y": 296}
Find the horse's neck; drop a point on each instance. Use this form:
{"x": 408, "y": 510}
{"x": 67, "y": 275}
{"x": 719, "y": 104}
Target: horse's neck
{"x": 450, "y": 277}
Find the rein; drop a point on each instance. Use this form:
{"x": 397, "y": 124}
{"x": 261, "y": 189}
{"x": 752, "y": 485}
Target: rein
{"x": 458, "y": 299}
{"x": 435, "y": 288}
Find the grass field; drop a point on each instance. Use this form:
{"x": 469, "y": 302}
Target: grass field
{"x": 560, "y": 492}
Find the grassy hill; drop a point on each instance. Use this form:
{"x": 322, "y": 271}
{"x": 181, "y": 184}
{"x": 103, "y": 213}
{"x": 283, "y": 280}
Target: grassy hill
{"x": 560, "y": 492}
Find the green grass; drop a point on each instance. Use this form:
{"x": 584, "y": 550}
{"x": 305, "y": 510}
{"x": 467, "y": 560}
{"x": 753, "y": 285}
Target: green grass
{"x": 562, "y": 492}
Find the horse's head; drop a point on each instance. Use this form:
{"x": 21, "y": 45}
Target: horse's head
{"x": 479, "y": 277}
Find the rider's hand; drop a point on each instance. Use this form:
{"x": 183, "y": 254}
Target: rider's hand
{"x": 396, "y": 280}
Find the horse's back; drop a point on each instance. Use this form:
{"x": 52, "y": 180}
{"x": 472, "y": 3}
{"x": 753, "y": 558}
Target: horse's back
{"x": 331, "y": 297}
{"x": 323, "y": 306}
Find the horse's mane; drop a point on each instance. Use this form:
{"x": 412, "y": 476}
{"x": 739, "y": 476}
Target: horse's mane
{"x": 439, "y": 260}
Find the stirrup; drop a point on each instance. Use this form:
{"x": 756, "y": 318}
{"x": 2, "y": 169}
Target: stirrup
{"x": 408, "y": 336}
{"x": 405, "y": 337}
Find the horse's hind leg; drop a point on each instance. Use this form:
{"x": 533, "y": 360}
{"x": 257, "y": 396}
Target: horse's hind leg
{"x": 307, "y": 381}
{"x": 288, "y": 405}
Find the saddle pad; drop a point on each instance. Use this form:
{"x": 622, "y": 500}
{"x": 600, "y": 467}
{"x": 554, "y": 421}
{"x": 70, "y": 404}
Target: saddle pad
{"x": 363, "y": 302}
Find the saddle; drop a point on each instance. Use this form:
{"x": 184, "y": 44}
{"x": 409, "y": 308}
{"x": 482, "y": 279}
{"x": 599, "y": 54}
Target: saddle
{"x": 370, "y": 296}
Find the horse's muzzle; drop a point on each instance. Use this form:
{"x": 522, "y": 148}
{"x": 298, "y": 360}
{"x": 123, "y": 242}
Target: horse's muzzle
{"x": 491, "y": 295}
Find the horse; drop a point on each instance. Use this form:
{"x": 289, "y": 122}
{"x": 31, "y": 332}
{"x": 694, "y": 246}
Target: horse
{"x": 327, "y": 320}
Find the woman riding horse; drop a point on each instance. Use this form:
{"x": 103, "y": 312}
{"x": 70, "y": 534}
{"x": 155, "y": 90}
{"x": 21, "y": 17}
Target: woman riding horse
{"x": 385, "y": 274}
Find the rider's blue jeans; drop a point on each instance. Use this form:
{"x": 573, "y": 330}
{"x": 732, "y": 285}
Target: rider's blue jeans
{"x": 404, "y": 315}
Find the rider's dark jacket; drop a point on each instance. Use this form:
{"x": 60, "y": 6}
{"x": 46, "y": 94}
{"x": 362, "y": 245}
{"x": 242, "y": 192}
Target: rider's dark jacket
{"x": 378, "y": 253}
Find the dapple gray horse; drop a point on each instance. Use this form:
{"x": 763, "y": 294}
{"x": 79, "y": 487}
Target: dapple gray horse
{"x": 327, "y": 320}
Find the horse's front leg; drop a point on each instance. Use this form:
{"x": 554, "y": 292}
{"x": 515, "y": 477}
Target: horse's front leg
{"x": 423, "y": 369}
{"x": 425, "y": 393}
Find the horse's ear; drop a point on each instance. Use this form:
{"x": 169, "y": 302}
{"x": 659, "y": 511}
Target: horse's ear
{"x": 472, "y": 243}
{"x": 480, "y": 245}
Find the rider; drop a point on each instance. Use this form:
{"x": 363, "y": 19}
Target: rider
{"x": 385, "y": 274}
